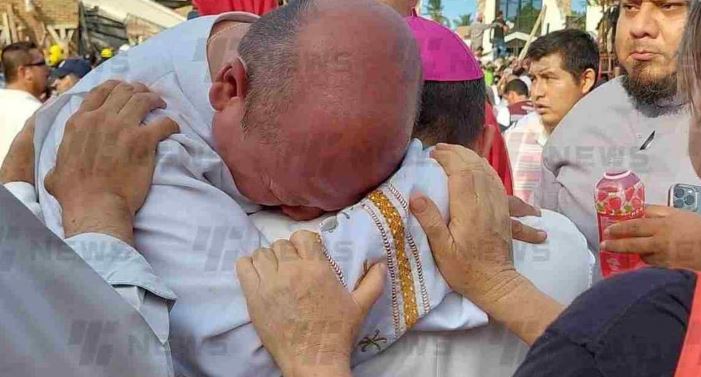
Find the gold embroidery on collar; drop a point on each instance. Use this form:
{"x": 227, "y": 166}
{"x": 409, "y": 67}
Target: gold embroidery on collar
{"x": 391, "y": 269}
{"x": 406, "y": 277}
{"x": 414, "y": 250}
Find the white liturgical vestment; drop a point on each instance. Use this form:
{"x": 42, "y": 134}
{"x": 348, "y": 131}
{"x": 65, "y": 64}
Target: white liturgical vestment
{"x": 194, "y": 225}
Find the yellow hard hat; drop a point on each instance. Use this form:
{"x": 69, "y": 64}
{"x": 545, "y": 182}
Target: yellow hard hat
{"x": 55, "y": 49}
{"x": 106, "y": 53}
{"x": 55, "y": 55}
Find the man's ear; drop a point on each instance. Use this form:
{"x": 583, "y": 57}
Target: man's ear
{"x": 22, "y": 73}
{"x": 587, "y": 81}
{"x": 230, "y": 83}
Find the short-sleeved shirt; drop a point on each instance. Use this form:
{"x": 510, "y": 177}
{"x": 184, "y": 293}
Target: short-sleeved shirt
{"x": 16, "y": 106}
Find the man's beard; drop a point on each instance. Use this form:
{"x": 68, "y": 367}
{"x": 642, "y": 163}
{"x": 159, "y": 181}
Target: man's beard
{"x": 649, "y": 91}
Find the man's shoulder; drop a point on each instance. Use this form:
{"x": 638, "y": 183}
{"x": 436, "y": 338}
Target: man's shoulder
{"x": 13, "y": 96}
{"x": 181, "y": 45}
{"x": 16, "y": 106}
{"x": 529, "y": 122}
{"x": 522, "y": 107}
{"x": 606, "y": 97}
{"x": 659, "y": 292}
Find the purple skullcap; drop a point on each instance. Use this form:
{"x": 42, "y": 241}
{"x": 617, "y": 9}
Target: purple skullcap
{"x": 444, "y": 56}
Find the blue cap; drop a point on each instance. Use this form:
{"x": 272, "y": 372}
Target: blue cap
{"x": 78, "y": 67}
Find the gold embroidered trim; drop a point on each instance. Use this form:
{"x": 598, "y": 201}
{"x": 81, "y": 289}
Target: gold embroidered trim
{"x": 390, "y": 268}
{"x": 406, "y": 277}
{"x": 414, "y": 250}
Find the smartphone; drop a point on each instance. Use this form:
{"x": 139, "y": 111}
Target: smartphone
{"x": 686, "y": 197}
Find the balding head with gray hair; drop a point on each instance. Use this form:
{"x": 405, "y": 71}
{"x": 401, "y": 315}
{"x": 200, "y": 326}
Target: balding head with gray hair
{"x": 270, "y": 53}
{"x": 330, "y": 96}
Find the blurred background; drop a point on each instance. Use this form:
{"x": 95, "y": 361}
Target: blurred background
{"x": 96, "y": 30}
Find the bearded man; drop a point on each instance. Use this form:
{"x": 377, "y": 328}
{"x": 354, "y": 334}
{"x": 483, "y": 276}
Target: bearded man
{"x": 636, "y": 121}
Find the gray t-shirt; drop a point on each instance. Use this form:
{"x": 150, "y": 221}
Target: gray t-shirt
{"x": 606, "y": 128}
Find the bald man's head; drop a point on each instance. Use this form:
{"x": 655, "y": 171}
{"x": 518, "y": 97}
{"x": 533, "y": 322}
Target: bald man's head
{"x": 331, "y": 98}
{"x": 304, "y": 47}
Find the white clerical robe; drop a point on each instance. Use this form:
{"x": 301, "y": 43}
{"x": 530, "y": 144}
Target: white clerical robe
{"x": 561, "y": 267}
{"x": 194, "y": 225}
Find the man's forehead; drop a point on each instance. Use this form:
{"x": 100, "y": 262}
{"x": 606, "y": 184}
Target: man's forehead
{"x": 657, "y": 2}
{"x": 548, "y": 63}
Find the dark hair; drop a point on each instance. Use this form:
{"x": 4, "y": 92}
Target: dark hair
{"x": 517, "y": 86}
{"x": 268, "y": 50}
{"x": 577, "y": 49}
{"x": 14, "y": 56}
{"x": 451, "y": 112}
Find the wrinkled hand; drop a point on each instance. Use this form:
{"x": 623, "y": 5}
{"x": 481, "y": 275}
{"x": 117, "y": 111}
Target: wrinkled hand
{"x": 305, "y": 318}
{"x": 666, "y": 237}
{"x": 18, "y": 165}
{"x": 473, "y": 252}
{"x": 106, "y": 160}
{"x": 520, "y": 231}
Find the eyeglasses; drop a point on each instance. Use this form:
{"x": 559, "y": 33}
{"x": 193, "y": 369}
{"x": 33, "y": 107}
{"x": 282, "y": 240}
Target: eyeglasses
{"x": 37, "y": 64}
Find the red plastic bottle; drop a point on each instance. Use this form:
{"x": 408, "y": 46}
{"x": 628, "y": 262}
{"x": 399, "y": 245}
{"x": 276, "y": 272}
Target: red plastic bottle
{"x": 619, "y": 196}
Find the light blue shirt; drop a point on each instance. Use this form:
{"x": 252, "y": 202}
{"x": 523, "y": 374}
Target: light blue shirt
{"x": 58, "y": 314}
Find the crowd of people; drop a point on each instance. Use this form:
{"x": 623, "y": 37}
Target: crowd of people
{"x": 30, "y": 79}
{"x": 305, "y": 202}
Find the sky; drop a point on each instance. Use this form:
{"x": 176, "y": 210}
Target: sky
{"x": 454, "y": 8}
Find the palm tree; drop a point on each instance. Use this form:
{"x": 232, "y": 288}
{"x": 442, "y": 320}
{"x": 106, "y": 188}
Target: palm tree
{"x": 463, "y": 20}
{"x": 435, "y": 11}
